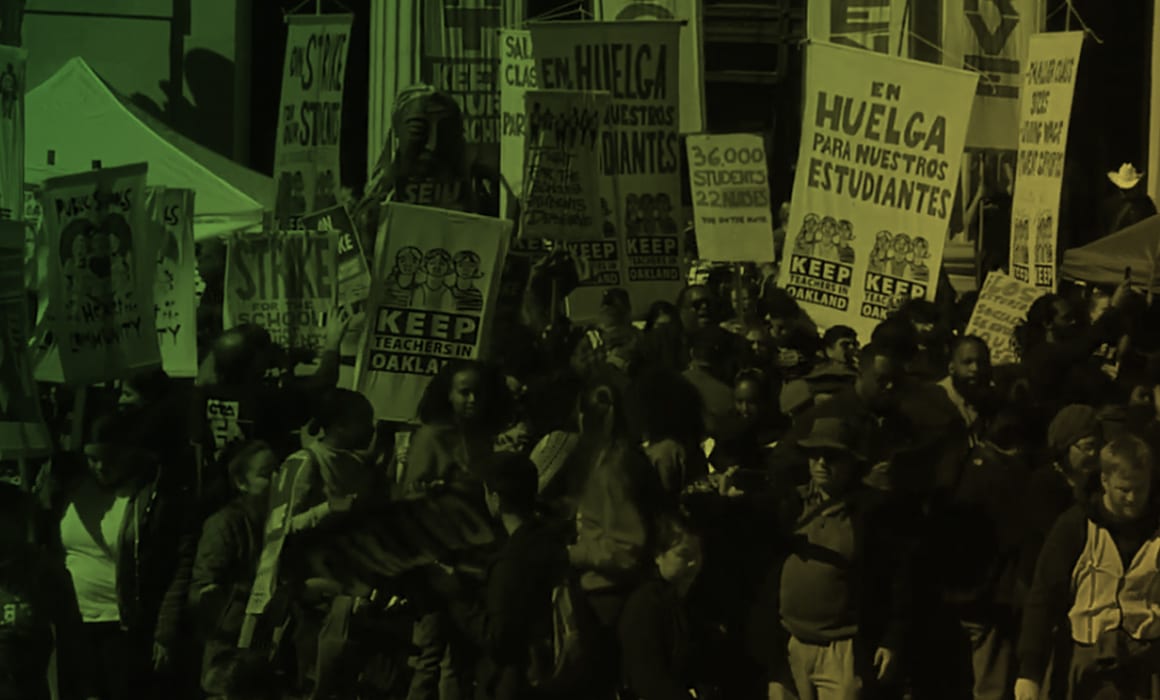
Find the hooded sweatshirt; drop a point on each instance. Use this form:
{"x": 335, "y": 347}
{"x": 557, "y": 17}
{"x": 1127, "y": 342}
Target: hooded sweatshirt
{"x": 1051, "y": 593}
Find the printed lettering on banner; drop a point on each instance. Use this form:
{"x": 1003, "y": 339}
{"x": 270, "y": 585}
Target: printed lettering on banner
{"x": 876, "y": 177}
{"x": 1002, "y": 305}
{"x": 307, "y": 170}
{"x": 873, "y": 25}
{"x": 12, "y": 89}
{"x": 436, "y": 278}
{"x": 730, "y": 185}
{"x": 517, "y": 75}
{"x": 22, "y": 429}
{"x": 1044, "y": 120}
{"x": 174, "y": 297}
{"x": 100, "y": 268}
{"x": 285, "y": 282}
{"x": 636, "y": 62}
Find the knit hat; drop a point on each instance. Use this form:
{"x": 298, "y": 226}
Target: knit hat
{"x": 1072, "y": 424}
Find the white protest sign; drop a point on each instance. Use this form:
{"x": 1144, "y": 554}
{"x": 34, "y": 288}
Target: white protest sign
{"x": 730, "y": 185}
{"x": 1002, "y": 305}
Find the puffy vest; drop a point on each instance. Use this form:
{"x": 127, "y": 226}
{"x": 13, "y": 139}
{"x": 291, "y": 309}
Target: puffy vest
{"x": 1107, "y": 597}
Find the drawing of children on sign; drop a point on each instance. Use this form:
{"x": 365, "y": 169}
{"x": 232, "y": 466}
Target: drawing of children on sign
{"x": 826, "y": 243}
{"x": 804, "y": 244}
{"x": 467, "y": 296}
{"x": 900, "y": 249}
{"x": 1020, "y": 237}
{"x": 880, "y": 254}
{"x": 919, "y": 254}
{"x": 609, "y": 226}
{"x": 403, "y": 280}
{"x": 846, "y": 242}
{"x": 633, "y": 219}
{"x": 434, "y": 294}
{"x": 664, "y": 215}
{"x": 1044, "y": 255}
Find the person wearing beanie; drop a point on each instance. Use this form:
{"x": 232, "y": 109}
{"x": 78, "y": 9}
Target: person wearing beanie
{"x": 516, "y": 605}
{"x": 1073, "y": 441}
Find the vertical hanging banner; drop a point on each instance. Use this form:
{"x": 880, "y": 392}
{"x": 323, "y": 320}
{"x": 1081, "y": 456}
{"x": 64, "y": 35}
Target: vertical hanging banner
{"x": 639, "y": 149}
{"x": 1003, "y": 304}
{"x": 22, "y": 429}
{"x": 731, "y": 213}
{"x": 874, "y": 25}
{"x": 517, "y": 71}
{"x": 562, "y": 198}
{"x": 692, "y": 60}
{"x": 436, "y": 278}
{"x": 992, "y": 37}
{"x": 171, "y": 211}
{"x": 12, "y": 89}
{"x": 100, "y": 271}
{"x": 1044, "y": 118}
{"x": 875, "y": 183}
{"x": 284, "y": 281}
{"x": 307, "y": 156}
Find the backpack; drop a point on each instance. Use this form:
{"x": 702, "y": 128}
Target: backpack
{"x": 563, "y": 655}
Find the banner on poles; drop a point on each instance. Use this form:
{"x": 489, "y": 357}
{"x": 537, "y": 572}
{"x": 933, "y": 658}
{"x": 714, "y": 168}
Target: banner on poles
{"x": 436, "y": 280}
{"x": 22, "y": 430}
{"x": 875, "y": 184}
{"x": 286, "y": 282}
{"x": 731, "y": 210}
{"x": 307, "y": 156}
{"x": 562, "y": 198}
{"x": 100, "y": 269}
{"x": 874, "y": 25}
{"x": 639, "y": 150}
{"x": 992, "y": 37}
{"x": 1044, "y": 118}
{"x": 12, "y": 89}
{"x": 1003, "y": 304}
{"x": 517, "y": 69}
{"x": 171, "y": 211}
{"x": 692, "y": 60}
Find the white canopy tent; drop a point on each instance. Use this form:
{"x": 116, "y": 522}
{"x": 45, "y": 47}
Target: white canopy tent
{"x": 78, "y": 117}
{"x": 1104, "y": 261}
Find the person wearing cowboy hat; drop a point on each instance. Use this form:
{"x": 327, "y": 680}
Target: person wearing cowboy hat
{"x": 1129, "y": 203}
{"x": 842, "y": 597}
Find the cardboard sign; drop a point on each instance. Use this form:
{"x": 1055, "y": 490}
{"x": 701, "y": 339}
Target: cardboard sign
{"x": 436, "y": 278}
{"x": 171, "y": 211}
{"x": 100, "y": 268}
{"x": 731, "y": 208}
{"x": 22, "y": 429}
{"x": 286, "y": 282}
{"x": 1003, "y": 304}
{"x": 517, "y": 75}
{"x": 876, "y": 176}
{"x": 640, "y": 150}
{"x": 562, "y": 198}
{"x": 12, "y": 89}
{"x": 306, "y": 154}
{"x": 1044, "y": 119}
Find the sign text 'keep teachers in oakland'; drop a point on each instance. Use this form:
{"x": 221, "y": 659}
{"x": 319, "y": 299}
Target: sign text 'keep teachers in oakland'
{"x": 875, "y": 183}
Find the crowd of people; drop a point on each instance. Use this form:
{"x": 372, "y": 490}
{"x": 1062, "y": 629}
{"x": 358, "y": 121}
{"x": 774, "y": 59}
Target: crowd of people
{"x": 726, "y": 503}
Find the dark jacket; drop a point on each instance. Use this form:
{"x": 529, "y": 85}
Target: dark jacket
{"x": 655, "y": 643}
{"x": 1051, "y": 593}
{"x": 516, "y": 607}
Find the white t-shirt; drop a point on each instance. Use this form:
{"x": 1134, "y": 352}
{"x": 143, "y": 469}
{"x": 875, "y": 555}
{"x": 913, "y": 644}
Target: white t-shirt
{"x": 90, "y": 531}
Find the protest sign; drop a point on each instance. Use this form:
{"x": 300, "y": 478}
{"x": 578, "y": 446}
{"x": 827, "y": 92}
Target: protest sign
{"x": 639, "y": 148}
{"x": 562, "y": 197}
{"x": 306, "y": 154}
{"x": 171, "y": 211}
{"x": 689, "y": 12}
{"x": 12, "y": 88}
{"x": 354, "y": 274}
{"x": 22, "y": 429}
{"x": 1044, "y": 118}
{"x": 731, "y": 213}
{"x": 286, "y": 282}
{"x": 100, "y": 269}
{"x": 436, "y": 280}
{"x": 992, "y": 37}
{"x": 875, "y": 183}
{"x": 874, "y": 25}
{"x": 1003, "y": 304}
{"x": 517, "y": 76}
